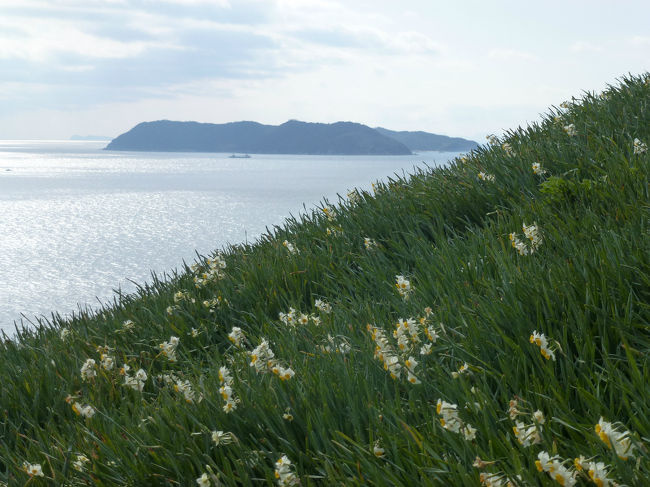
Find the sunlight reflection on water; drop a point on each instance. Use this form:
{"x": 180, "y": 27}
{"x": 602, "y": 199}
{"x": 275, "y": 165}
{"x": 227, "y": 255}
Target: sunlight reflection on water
{"x": 77, "y": 222}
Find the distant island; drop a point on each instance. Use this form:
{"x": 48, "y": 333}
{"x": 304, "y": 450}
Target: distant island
{"x": 292, "y": 137}
{"x": 427, "y": 141}
{"x": 91, "y": 137}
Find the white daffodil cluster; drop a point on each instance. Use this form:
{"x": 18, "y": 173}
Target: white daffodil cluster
{"x": 354, "y": 197}
{"x": 639, "y": 147}
{"x": 83, "y": 410}
{"x": 411, "y": 364}
{"x": 403, "y": 286}
{"x": 214, "y": 271}
{"x": 532, "y": 234}
{"x": 168, "y": 349}
{"x": 369, "y": 243}
{"x": 290, "y": 247}
{"x": 323, "y": 306}
{"x": 107, "y": 361}
{"x": 334, "y": 231}
{"x": 463, "y": 369}
{"x": 406, "y": 333}
{"x": 570, "y": 130}
{"x": 214, "y": 303}
{"x": 287, "y": 416}
{"x": 226, "y": 380}
{"x": 185, "y": 387}
{"x": 284, "y": 472}
{"x": 555, "y": 469}
{"x": 527, "y": 434}
{"x": 204, "y": 480}
{"x": 135, "y": 382}
{"x": 183, "y": 296}
{"x": 492, "y": 139}
{"x": 378, "y": 450}
{"x": 33, "y": 469}
{"x": 292, "y": 318}
{"x": 507, "y": 148}
{"x": 385, "y": 352}
{"x": 337, "y": 344}
{"x": 128, "y": 325}
{"x": 615, "y": 437}
{"x": 330, "y": 212}
{"x": 263, "y": 359}
{"x": 407, "y": 336}
{"x": 541, "y": 341}
{"x": 450, "y": 420}
{"x": 496, "y": 480}
{"x": 222, "y": 438}
{"x": 538, "y": 169}
{"x": 236, "y": 336}
{"x": 486, "y": 177}
{"x": 596, "y": 471}
{"x": 80, "y": 463}
{"x": 64, "y": 334}
{"x": 88, "y": 370}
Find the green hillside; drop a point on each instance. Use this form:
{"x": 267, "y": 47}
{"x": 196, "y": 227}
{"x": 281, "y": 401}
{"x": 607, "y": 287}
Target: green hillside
{"x": 487, "y": 322}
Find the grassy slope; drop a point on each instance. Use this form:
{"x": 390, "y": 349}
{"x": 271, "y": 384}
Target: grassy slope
{"x": 586, "y": 288}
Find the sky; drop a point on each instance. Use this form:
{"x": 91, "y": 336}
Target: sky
{"x": 459, "y": 68}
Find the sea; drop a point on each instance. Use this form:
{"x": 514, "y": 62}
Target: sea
{"x": 78, "y": 223}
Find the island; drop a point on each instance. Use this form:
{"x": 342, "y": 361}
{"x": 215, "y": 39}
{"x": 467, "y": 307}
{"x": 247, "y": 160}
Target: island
{"x": 292, "y": 137}
{"x": 426, "y": 141}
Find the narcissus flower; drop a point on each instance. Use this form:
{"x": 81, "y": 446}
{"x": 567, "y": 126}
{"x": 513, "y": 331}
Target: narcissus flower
{"x": 570, "y": 130}
{"x": 86, "y": 411}
{"x": 88, "y": 370}
{"x": 33, "y": 469}
{"x": 486, "y": 177}
{"x": 614, "y": 437}
{"x": 289, "y": 246}
{"x": 541, "y": 341}
{"x": 284, "y": 473}
{"x": 451, "y": 421}
{"x": 221, "y": 438}
{"x": 639, "y": 147}
{"x": 169, "y": 348}
{"x": 369, "y": 243}
{"x": 323, "y": 306}
{"x": 538, "y": 169}
{"x": 80, "y": 463}
{"x": 204, "y": 480}
{"x": 377, "y": 450}
{"x": 555, "y": 469}
{"x": 403, "y": 286}
{"x": 597, "y": 472}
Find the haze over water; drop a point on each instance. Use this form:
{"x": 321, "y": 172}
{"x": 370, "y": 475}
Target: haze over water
{"x": 77, "y": 222}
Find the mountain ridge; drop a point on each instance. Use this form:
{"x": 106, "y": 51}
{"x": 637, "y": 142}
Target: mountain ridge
{"x": 420, "y": 140}
{"x": 291, "y": 137}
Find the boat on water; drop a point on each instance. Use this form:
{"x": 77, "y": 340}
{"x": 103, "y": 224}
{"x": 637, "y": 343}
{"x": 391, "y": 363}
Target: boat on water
{"x": 242, "y": 156}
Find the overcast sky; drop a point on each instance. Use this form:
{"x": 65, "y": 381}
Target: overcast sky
{"x": 462, "y": 68}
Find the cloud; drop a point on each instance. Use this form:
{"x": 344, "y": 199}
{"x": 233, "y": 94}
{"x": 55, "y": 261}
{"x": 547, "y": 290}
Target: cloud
{"x": 510, "y": 55}
{"x": 369, "y": 39}
{"x": 583, "y": 47}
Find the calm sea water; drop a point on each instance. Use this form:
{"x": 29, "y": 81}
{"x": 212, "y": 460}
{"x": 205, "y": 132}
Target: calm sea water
{"x": 77, "y": 222}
